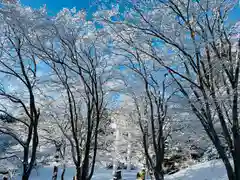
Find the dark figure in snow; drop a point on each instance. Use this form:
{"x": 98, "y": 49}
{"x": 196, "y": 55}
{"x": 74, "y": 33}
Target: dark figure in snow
{"x": 117, "y": 175}
{"x": 141, "y": 175}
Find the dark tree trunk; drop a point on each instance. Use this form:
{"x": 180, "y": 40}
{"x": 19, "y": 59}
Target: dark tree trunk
{"x": 236, "y": 159}
{"x": 235, "y": 129}
{"x": 230, "y": 172}
{"x": 25, "y": 176}
{"x": 78, "y": 174}
{"x": 25, "y": 163}
{"x": 216, "y": 141}
{"x": 26, "y": 173}
{"x": 158, "y": 171}
{"x": 85, "y": 166}
{"x": 55, "y": 173}
{"x": 63, "y": 172}
{"x": 158, "y": 176}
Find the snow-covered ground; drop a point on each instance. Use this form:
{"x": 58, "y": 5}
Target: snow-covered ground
{"x": 213, "y": 170}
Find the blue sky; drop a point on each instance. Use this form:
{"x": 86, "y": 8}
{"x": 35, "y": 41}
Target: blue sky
{"x": 235, "y": 14}
{"x": 53, "y": 6}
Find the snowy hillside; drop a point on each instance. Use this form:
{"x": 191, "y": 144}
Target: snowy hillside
{"x": 212, "y": 170}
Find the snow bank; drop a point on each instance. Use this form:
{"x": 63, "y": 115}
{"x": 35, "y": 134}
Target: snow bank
{"x": 212, "y": 170}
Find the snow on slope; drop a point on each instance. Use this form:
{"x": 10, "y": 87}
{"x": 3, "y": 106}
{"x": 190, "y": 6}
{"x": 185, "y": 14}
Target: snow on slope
{"x": 212, "y": 170}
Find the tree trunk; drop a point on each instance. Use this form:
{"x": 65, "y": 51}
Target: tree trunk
{"x": 85, "y": 165}
{"x": 235, "y": 130}
{"x": 25, "y": 176}
{"x": 236, "y": 157}
{"x": 84, "y": 173}
{"x": 25, "y": 163}
{"x": 158, "y": 176}
{"x": 78, "y": 174}
{"x": 223, "y": 156}
{"x": 26, "y": 173}
{"x": 55, "y": 172}
{"x": 63, "y": 172}
{"x": 115, "y": 161}
{"x": 158, "y": 172}
{"x": 28, "y": 166}
{"x": 129, "y": 153}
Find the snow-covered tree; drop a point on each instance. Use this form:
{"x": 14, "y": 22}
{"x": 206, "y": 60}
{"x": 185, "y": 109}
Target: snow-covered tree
{"x": 150, "y": 96}
{"x": 75, "y": 54}
{"x": 193, "y": 41}
{"x": 19, "y": 92}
